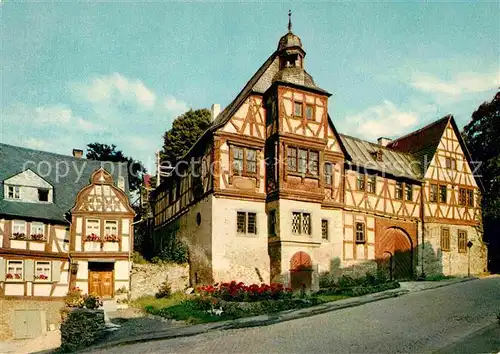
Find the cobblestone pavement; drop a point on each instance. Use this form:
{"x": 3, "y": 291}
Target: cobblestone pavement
{"x": 417, "y": 322}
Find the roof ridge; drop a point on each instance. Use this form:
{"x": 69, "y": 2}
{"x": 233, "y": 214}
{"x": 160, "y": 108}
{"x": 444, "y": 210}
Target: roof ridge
{"x": 376, "y": 144}
{"x": 46, "y": 152}
{"x": 447, "y": 117}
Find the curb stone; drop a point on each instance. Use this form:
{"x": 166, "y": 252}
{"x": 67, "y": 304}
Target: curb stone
{"x": 262, "y": 320}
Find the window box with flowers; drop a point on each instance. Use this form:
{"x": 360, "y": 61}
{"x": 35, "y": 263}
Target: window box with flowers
{"x": 13, "y": 276}
{"x": 41, "y": 277}
{"x": 111, "y": 238}
{"x": 38, "y": 237}
{"x": 93, "y": 238}
{"x": 19, "y": 236}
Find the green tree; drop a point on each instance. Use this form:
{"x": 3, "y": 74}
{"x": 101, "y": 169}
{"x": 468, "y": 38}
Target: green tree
{"x": 186, "y": 130}
{"x": 105, "y": 152}
{"x": 481, "y": 135}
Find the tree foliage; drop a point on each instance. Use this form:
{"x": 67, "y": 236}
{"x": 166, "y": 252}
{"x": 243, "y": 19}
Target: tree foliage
{"x": 482, "y": 137}
{"x": 186, "y": 130}
{"x": 105, "y": 152}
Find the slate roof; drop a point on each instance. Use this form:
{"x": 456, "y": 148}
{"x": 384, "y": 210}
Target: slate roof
{"x": 362, "y": 153}
{"x": 422, "y": 143}
{"x": 52, "y": 168}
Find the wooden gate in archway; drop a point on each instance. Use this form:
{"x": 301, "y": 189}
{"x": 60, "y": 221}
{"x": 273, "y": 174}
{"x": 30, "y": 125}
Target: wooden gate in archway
{"x": 396, "y": 249}
{"x": 300, "y": 271}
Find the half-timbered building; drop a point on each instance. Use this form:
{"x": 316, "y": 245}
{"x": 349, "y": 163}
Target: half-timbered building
{"x": 65, "y": 222}
{"x": 272, "y": 192}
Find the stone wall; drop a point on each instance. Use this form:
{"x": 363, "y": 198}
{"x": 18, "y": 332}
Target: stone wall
{"x": 452, "y": 262}
{"x": 147, "y": 278}
{"x": 8, "y": 306}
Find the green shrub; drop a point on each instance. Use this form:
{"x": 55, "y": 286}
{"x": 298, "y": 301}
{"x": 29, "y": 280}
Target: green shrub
{"x": 91, "y": 302}
{"x": 165, "y": 290}
{"x": 137, "y": 258}
{"x": 326, "y": 280}
{"x": 81, "y": 328}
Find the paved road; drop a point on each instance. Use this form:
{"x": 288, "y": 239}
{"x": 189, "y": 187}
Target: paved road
{"x": 449, "y": 319}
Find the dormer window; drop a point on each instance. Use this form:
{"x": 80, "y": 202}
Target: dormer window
{"x": 14, "y": 192}
{"x": 43, "y": 195}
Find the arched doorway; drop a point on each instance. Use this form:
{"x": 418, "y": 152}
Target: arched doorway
{"x": 396, "y": 249}
{"x": 300, "y": 271}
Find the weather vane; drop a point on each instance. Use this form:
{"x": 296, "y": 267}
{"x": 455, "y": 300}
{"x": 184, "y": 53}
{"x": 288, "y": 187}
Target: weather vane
{"x": 289, "y": 20}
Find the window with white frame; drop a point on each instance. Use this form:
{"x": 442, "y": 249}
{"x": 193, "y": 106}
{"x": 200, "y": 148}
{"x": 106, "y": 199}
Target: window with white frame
{"x": 13, "y": 192}
{"x": 19, "y": 229}
{"x": 42, "y": 271}
{"x": 14, "y": 271}
{"x": 111, "y": 227}
{"x": 93, "y": 230}
{"x": 37, "y": 231}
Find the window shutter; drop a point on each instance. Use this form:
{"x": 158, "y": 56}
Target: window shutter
{"x": 2, "y": 269}
{"x": 56, "y": 271}
{"x": 29, "y": 270}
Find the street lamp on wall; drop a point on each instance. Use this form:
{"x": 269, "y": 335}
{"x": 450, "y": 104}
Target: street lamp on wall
{"x": 469, "y": 245}
{"x": 73, "y": 267}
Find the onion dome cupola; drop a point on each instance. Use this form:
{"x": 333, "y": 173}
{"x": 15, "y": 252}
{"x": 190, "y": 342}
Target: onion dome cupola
{"x": 290, "y": 48}
{"x": 291, "y": 60}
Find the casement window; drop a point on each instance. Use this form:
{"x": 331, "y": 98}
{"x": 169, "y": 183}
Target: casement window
{"x": 360, "y": 182}
{"x": 445, "y": 239}
{"x": 43, "y": 271}
{"x": 443, "y": 193}
{"x": 43, "y": 195}
{"x": 360, "y": 232}
{"x": 433, "y": 190}
{"x": 37, "y": 231}
{"x": 15, "y": 271}
{"x": 244, "y": 161}
{"x": 302, "y": 160}
{"x": 328, "y": 173}
{"x": 13, "y": 192}
{"x": 470, "y": 198}
{"x": 462, "y": 241}
{"x": 301, "y": 223}
{"x": 111, "y": 227}
{"x": 246, "y": 223}
{"x": 451, "y": 163}
{"x": 324, "y": 229}
{"x": 297, "y": 109}
{"x": 462, "y": 196}
{"x": 399, "y": 190}
{"x": 309, "y": 112}
{"x": 409, "y": 192}
{"x": 19, "y": 229}
{"x": 93, "y": 227}
{"x": 371, "y": 183}
{"x": 271, "y": 218}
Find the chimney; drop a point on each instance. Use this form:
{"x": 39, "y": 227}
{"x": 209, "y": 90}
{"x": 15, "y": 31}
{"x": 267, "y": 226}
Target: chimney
{"x": 383, "y": 141}
{"x": 77, "y": 153}
{"x": 215, "y": 110}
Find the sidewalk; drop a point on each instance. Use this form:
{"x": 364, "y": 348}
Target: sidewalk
{"x": 413, "y": 286}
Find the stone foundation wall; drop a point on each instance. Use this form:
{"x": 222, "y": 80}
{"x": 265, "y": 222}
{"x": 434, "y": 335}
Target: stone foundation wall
{"x": 8, "y": 306}
{"x": 147, "y": 278}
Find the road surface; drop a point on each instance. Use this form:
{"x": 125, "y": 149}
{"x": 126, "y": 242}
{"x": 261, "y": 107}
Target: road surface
{"x": 451, "y": 319}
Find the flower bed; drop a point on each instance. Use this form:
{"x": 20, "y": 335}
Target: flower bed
{"x": 240, "y": 292}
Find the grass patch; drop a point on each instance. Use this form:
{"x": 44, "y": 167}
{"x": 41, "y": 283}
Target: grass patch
{"x": 151, "y": 301}
{"x": 330, "y": 298}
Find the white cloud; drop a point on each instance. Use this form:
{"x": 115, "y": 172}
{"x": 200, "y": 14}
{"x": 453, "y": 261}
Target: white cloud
{"x": 461, "y": 84}
{"x": 37, "y": 144}
{"x": 174, "y": 105}
{"x": 385, "y": 119}
{"x": 116, "y": 88}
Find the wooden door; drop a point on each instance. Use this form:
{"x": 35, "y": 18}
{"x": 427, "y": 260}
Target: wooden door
{"x": 397, "y": 244}
{"x": 101, "y": 283}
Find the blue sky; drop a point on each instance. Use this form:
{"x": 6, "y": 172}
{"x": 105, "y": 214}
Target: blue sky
{"x": 120, "y": 72}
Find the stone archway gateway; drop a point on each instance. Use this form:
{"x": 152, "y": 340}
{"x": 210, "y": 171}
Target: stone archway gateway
{"x": 396, "y": 248}
{"x": 300, "y": 271}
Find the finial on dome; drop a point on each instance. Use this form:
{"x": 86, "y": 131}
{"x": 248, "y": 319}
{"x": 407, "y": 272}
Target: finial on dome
{"x": 290, "y": 21}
